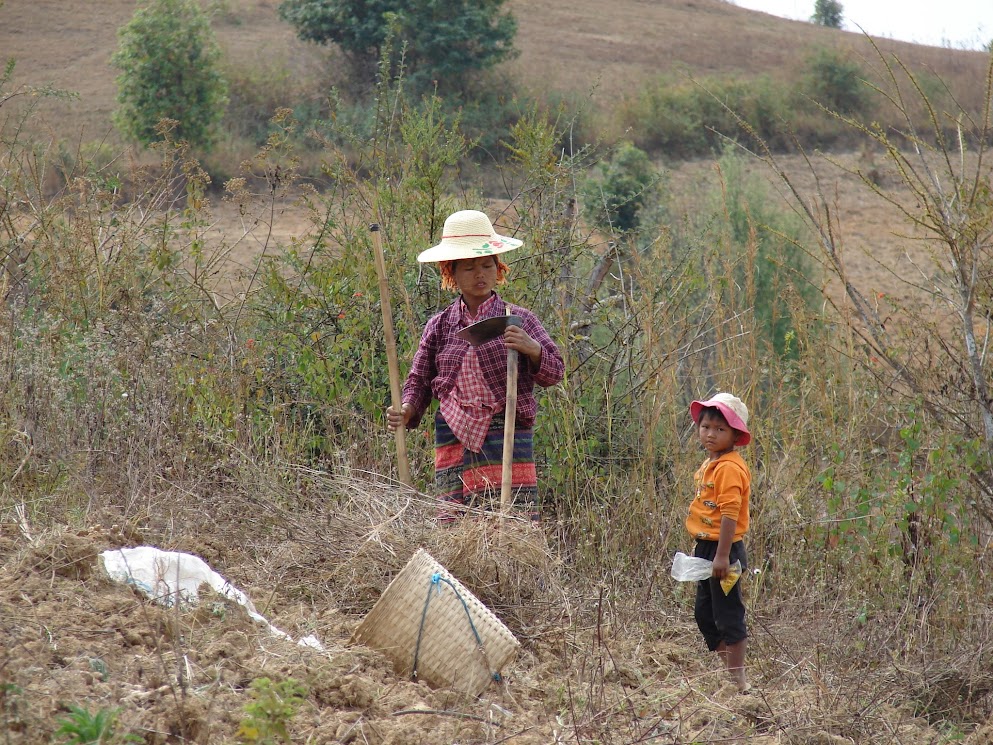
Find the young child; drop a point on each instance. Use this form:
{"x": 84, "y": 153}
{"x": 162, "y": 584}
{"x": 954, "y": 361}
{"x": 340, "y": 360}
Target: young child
{"x": 718, "y": 520}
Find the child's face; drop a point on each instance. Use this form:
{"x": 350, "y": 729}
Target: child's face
{"x": 716, "y": 435}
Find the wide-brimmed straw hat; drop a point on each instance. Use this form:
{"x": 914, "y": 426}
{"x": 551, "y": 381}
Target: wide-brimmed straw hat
{"x": 468, "y": 234}
{"x": 733, "y": 409}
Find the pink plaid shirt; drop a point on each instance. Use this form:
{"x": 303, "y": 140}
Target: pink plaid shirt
{"x": 440, "y": 362}
{"x": 469, "y": 408}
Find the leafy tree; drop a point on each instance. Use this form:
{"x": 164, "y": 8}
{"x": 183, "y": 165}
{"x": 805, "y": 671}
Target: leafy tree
{"x": 442, "y": 40}
{"x": 828, "y": 13}
{"x": 168, "y": 58}
{"x": 448, "y": 38}
{"x": 359, "y": 28}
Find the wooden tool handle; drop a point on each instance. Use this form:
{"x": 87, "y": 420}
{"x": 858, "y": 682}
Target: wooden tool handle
{"x": 510, "y": 415}
{"x": 403, "y": 465}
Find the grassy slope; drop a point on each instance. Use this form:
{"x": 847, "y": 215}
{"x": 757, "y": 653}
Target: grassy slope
{"x": 571, "y": 46}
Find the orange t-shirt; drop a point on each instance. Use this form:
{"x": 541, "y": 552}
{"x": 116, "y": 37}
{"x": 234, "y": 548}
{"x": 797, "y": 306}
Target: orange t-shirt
{"x": 722, "y": 490}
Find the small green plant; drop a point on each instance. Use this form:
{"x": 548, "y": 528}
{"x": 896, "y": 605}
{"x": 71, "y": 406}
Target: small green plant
{"x": 682, "y": 118}
{"x": 779, "y": 282}
{"x": 83, "y": 727}
{"x": 269, "y": 712}
{"x": 10, "y": 705}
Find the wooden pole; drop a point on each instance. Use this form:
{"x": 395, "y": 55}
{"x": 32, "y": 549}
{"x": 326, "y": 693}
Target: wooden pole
{"x": 510, "y": 415}
{"x": 403, "y": 464}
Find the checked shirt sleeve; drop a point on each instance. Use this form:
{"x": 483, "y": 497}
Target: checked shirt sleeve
{"x": 423, "y": 369}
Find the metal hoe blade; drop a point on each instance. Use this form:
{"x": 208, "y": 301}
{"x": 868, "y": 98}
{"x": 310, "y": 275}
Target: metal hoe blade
{"x": 488, "y": 328}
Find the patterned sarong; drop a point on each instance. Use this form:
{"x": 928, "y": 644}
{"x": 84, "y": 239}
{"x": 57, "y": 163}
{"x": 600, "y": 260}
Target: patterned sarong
{"x": 464, "y": 478}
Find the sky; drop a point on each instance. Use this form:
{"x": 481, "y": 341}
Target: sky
{"x": 959, "y": 24}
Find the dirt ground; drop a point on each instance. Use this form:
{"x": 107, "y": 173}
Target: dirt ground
{"x": 72, "y": 637}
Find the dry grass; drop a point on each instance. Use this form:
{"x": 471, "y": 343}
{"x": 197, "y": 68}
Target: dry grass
{"x": 594, "y": 667}
{"x": 364, "y": 531}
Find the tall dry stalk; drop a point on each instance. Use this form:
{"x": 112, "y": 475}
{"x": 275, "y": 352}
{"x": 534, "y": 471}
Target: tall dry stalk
{"x": 937, "y": 353}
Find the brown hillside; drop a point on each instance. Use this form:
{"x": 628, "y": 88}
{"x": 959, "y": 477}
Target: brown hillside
{"x": 573, "y": 45}
{"x": 564, "y": 46}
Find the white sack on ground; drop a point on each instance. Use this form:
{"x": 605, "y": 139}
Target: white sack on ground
{"x": 168, "y": 576}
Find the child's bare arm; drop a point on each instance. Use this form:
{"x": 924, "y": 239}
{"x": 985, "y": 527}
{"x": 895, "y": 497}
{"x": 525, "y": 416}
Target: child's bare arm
{"x": 722, "y": 561}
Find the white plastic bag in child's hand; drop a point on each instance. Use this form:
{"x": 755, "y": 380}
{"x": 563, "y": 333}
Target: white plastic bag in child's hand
{"x": 690, "y": 568}
{"x": 693, "y": 568}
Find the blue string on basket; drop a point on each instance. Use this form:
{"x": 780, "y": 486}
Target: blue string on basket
{"x": 435, "y": 584}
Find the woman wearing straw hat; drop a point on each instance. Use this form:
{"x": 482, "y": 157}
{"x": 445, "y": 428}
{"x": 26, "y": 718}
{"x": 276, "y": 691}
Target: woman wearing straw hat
{"x": 470, "y": 382}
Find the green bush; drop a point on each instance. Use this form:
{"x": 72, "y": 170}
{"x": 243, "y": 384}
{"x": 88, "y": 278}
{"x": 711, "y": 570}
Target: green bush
{"x": 257, "y": 92}
{"x": 835, "y": 81}
{"x": 486, "y": 118}
{"x": 681, "y": 119}
{"x": 576, "y": 118}
{"x": 677, "y": 118}
{"x": 779, "y": 282}
{"x": 168, "y": 59}
{"x": 614, "y": 200}
{"x": 666, "y": 118}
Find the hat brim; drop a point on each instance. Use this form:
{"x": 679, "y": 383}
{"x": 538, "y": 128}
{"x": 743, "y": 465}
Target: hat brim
{"x": 452, "y": 251}
{"x": 732, "y": 418}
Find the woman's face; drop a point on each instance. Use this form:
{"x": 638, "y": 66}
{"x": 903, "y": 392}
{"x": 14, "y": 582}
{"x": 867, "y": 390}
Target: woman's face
{"x": 476, "y": 278}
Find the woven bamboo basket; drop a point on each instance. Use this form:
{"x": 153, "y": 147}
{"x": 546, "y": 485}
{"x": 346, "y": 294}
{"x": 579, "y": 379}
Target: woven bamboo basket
{"x": 427, "y": 623}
